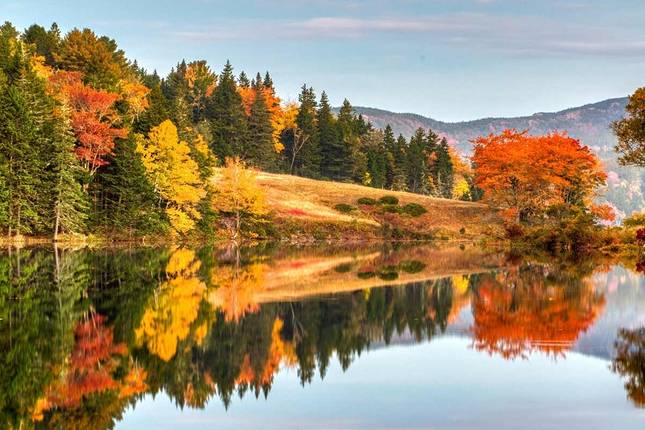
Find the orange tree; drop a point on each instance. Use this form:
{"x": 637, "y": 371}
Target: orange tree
{"x": 532, "y": 178}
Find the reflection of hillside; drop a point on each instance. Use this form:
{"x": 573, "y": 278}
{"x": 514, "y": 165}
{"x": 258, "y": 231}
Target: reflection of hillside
{"x": 297, "y": 277}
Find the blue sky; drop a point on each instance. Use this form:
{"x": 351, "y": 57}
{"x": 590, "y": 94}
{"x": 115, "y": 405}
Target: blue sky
{"x": 448, "y": 59}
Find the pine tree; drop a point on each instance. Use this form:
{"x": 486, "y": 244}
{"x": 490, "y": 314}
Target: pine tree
{"x": 227, "y": 119}
{"x": 417, "y": 162}
{"x": 259, "y": 150}
{"x": 158, "y": 106}
{"x": 304, "y": 150}
{"x": 389, "y": 146}
{"x": 268, "y": 82}
{"x": 355, "y": 163}
{"x": 332, "y": 153}
{"x": 129, "y": 204}
{"x": 400, "y": 179}
{"x": 243, "y": 80}
{"x": 443, "y": 170}
{"x": 376, "y": 158}
{"x": 70, "y": 200}
{"x": 24, "y": 140}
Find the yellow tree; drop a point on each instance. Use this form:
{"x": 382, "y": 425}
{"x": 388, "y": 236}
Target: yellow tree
{"x": 239, "y": 197}
{"x": 174, "y": 174}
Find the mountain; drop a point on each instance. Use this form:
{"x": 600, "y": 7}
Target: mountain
{"x": 589, "y": 123}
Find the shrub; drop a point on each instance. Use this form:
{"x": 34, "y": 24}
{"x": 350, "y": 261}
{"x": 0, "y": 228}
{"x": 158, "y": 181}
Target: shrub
{"x": 367, "y": 201}
{"x": 388, "y": 273}
{"x": 389, "y": 200}
{"x": 412, "y": 266}
{"x": 343, "y": 268}
{"x": 414, "y": 209}
{"x": 365, "y": 275}
{"x": 344, "y": 207}
{"x": 635, "y": 220}
{"x": 393, "y": 209}
{"x": 462, "y": 230}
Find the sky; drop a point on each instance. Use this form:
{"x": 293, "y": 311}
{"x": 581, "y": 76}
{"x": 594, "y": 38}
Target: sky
{"x": 452, "y": 60}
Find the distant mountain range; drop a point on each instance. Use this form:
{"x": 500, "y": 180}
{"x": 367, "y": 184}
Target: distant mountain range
{"x": 590, "y": 123}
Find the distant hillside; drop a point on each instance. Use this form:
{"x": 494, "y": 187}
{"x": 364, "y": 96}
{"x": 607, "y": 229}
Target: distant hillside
{"x": 589, "y": 123}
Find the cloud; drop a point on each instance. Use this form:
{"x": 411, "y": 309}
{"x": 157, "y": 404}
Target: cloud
{"x": 514, "y": 35}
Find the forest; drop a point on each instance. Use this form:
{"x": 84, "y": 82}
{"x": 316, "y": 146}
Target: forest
{"x": 93, "y": 143}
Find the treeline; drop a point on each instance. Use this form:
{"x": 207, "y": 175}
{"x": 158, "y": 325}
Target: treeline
{"x": 90, "y": 141}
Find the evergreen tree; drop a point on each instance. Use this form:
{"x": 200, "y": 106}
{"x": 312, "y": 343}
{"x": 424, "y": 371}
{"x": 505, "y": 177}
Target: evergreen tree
{"x": 400, "y": 155}
{"x": 24, "y": 140}
{"x": 268, "y": 82}
{"x": 227, "y": 119}
{"x": 259, "y": 150}
{"x": 419, "y": 177}
{"x": 243, "y": 80}
{"x": 71, "y": 206}
{"x": 158, "y": 106}
{"x": 129, "y": 204}
{"x": 377, "y": 158}
{"x": 304, "y": 150}
{"x": 45, "y": 42}
{"x": 355, "y": 164}
{"x": 389, "y": 146}
{"x": 332, "y": 153}
{"x": 443, "y": 170}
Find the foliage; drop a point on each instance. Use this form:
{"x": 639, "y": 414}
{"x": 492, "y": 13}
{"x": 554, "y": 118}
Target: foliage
{"x": 239, "y": 199}
{"x": 414, "y": 209}
{"x": 173, "y": 174}
{"x": 389, "y": 200}
{"x": 344, "y": 208}
{"x": 630, "y": 131}
{"x": 368, "y": 201}
{"x": 526, "y": 175}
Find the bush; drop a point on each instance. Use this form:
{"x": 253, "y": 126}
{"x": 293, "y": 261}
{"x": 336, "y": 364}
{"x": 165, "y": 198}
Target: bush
{"x": 635, "y": 220}
{"x": 388, "y": 273}
{"x": 414, "y": 209}
{"x": 343, "y": 268}
{"x": 367, "y": 201}
{"x": 344, "y": 207}
{"x": 389, "y": 200}
{"x": 462, "y": 230}
{"x": 412, "y": 266}
{"x": 365, "y": 275}
{"x": 393, "y": 209}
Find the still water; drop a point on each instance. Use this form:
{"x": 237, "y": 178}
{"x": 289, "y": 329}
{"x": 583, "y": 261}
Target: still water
{"x": 318, "y": 338}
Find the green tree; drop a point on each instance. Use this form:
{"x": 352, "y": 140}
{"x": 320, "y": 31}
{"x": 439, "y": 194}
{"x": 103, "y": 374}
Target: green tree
{"x": 630, "y": 131}
{"x": 332, "y": 150}
{"x": 226, "y": 115}
{"x": 442, "y": 172}
{"x": 305, "y": 150}
{"x": 258, "y": 149}
{"x": 46, "y": 42}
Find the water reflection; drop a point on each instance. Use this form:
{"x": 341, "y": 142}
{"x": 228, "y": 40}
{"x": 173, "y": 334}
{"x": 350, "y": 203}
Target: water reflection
{"x": 84, "y": 333}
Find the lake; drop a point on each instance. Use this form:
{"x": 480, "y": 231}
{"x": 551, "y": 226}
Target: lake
{"x": 363, "y": 336}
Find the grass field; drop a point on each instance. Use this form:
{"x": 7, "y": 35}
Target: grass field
{"x": 307, "y": 206}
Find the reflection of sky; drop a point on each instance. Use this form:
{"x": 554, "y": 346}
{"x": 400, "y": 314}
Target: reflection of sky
{"x": 442, "y": 384}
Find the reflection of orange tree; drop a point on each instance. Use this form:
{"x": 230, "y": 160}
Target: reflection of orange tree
{"x": 92, "y": 364}
{"x": 520, "y": 312}
{"x": 174, "y": 308}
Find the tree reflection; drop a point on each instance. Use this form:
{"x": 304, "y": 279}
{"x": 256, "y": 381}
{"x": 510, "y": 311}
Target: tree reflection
{"x": 88, "y": 333}
{"x": 532, "y": 307}
{"x": 629, "y": 362}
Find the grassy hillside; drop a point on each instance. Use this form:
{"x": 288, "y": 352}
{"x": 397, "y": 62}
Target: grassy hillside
{"x": 305, "y": 209}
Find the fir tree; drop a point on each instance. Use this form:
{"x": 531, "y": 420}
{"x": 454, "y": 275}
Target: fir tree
{"x": 259, "y": 150}
{"x": 400, "y": 155}
{"x": 417, "y": 162}
{"x": 227, "y": 119}
{"x": 443, "y": 170}
{"x": 268, "y": 82}
{"x": 129, "y": 204}
{"x": 71, "y": 205}
{"x": 304, "y": 150}
{"x": 243, "y": 80}
{"x": 332, "y": 154}
{"x": 356, "y": 160}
